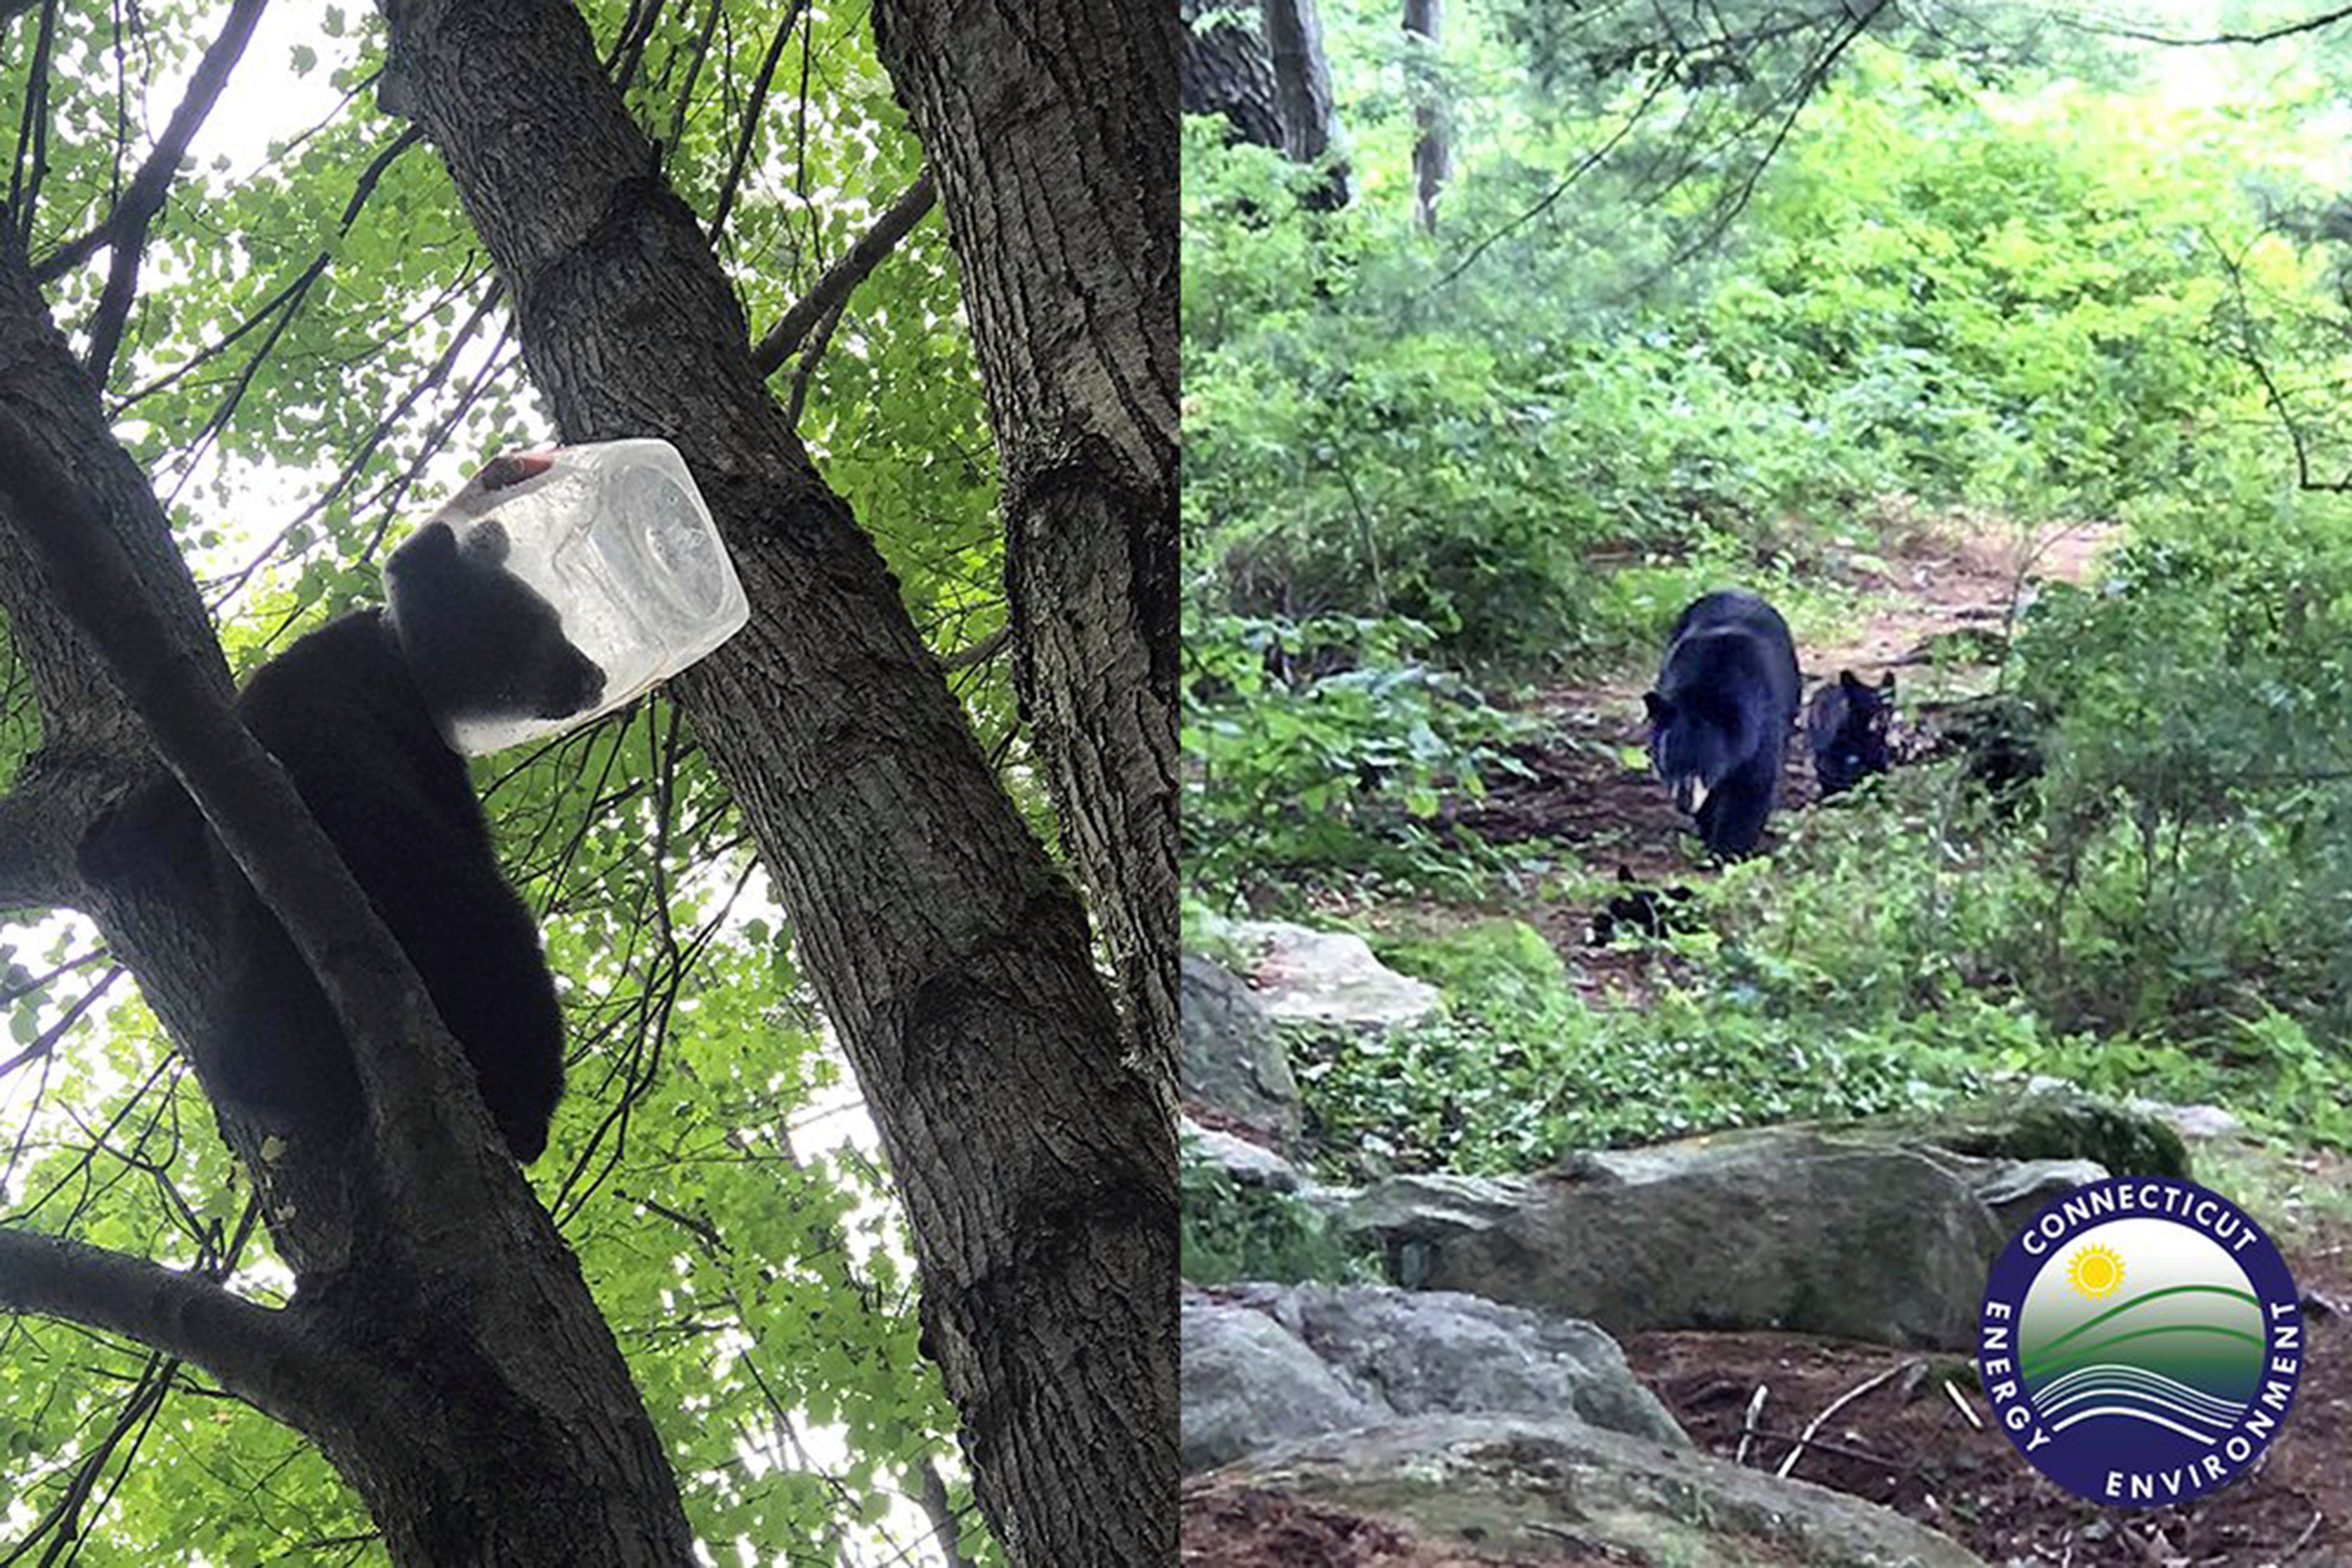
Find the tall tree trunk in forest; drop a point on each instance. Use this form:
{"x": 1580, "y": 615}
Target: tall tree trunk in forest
{"x": 1228, "y": 69}
{"x": 1262, "y": 66}
{"x": 1431, "y": 159}
{"x": 1030, "y": 1136}
{"x": 1075, "y": 327}
{"x": 1302, "y": 85}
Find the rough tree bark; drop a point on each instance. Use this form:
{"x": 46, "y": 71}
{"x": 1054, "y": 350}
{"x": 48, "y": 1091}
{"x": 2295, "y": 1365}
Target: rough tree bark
{"x": 1076, "y": 329}
{"x": 1031, "y": 1142}
{"x": 441, "y": 1349}
{"x": 1302, "y": 84}
{"x": 1228, "y": 69}
{"x": 1260, "y": 64}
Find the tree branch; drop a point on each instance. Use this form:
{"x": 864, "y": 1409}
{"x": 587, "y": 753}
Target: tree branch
{"x": 805, "y": 371}
{"x": 981, "y": 652}
{"x": 832, "y": 289}
{"x": 751, "y": 112}
{"x": 259, "y": 1354}
{"x": 125, "y": 229}
{"x": 46, "y": 1040}
{"x": 2264, "y": 35}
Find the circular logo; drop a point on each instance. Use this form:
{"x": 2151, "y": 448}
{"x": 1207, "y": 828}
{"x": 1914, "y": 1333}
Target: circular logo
{"x": 2140, "y": 1341}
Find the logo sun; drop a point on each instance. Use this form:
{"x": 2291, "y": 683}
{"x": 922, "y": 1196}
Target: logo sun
{"x": 2097, "y": 1272}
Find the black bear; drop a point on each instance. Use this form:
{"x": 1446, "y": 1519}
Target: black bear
{"x": 1721, "y": 713}
{"x": 1639, "y": 910}
{"x": 481, "y": 644}
{"x": 1846, "y": 724}
{"x": 341, "y": 709}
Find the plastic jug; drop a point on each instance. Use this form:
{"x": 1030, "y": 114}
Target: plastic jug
{"x": 558, "y": 585}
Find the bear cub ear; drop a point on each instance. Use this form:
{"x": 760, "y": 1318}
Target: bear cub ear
{"x": 1660, "y": 709}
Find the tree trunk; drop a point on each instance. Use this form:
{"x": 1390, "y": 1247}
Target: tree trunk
{"x": 1031, "y": 1140}
{"x": 1302, "y": 83}
{"x": 1228, "y": 69}
{"x": 1261, "y": 66}
{"x": 1075, "y": 330}
{"x": 1432, "y": 161}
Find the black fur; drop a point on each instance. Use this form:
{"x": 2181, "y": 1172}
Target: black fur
{"x": 1846, "y": 725}
{"x": 481, "y": 642}
{"x": 1637, "y": 910}
{"x": 1720, "y": 716}
{"x": 342, "y": 712}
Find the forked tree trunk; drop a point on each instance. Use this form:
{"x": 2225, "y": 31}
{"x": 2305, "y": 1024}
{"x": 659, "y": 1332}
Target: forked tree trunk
{"x": 1027, "y": 1127}
{"x": 442, "y": 1349}
{"x": 445, "y": 1354}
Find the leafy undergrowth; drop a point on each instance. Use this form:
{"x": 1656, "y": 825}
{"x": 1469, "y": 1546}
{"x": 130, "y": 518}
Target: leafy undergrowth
{"x": 1896, "y": 946}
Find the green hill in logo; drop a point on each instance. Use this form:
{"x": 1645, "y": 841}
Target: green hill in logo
{"x": 2186, "y": 1357}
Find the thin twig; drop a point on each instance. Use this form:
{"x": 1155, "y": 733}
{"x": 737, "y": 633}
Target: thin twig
{"x": 1748, "y": 1427}
{"x": 1840, "y": 1403}
{"x": 1960, "y": 1403}
{"x": 832, "y": 289}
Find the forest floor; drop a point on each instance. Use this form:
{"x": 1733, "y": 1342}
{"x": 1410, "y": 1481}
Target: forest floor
{"x": 1932, "y": 590}
{"x": 1934, "y": 593}
{"x": 1938, "y": 588}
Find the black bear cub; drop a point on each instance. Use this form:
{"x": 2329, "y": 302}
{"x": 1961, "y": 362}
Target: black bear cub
{"x": 480, "y": 643}
{"x": 1846, "y": 724}
{"x": 342, "y": 710}
{"x": 1720, "y": 715}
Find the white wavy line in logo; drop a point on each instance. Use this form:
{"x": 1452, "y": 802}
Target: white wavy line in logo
{"x": 2116, "y": 1378}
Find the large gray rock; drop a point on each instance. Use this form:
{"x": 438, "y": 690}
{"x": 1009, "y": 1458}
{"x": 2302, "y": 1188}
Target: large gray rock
{"x": 1790, "y": 1228}
{"x": 1330, "y": 978}
{"x": 1245, "y": 1163}
{"x": 1231, "y": 1065}
{"x": 1422, "y": 1352}
{"x": 2017, "y": 1190}
{"x": 1250, "y": 1383}
{"x": 1267, "y": 1363}
{"x": 1517, "y": 1488}
{"x": 2050, "y": 1119}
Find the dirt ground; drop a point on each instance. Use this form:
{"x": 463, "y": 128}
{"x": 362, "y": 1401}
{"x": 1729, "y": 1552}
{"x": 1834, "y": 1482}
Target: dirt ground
{"x": 1935, "y": 582}
{"x": 1906, "y": 1445}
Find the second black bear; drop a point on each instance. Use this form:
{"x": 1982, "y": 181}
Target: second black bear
{"x": 1846, "y": 724}
{"x": 1720, "y": 715}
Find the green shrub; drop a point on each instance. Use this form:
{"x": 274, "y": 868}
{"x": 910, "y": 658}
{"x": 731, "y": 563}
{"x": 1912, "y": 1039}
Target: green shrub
{"x": 1324, "y": 745}
{"x": 1232, "y": 1233}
